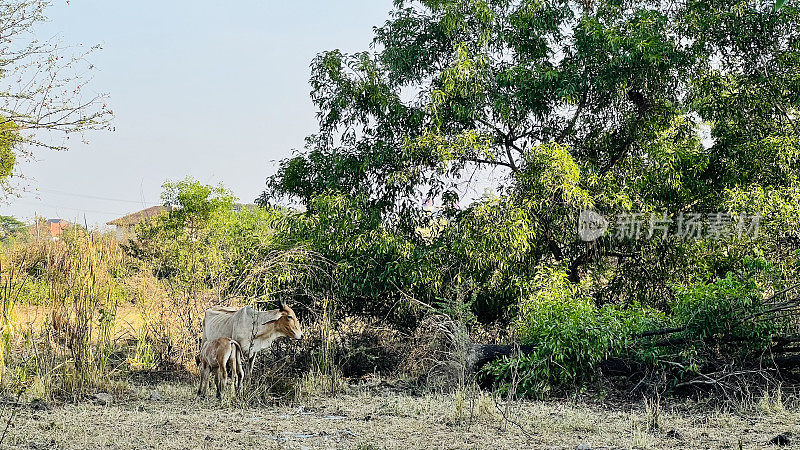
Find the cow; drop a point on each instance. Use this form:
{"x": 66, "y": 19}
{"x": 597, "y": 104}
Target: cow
{"x": 220, "y": 355}
{"x": 252, "y": 329}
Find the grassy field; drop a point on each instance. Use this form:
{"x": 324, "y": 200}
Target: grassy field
{"x": 378, "y": 417}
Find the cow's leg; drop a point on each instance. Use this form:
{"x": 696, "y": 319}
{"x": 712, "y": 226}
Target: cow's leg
{"x": 231, "y": 368}
{"x": 238, "y": 372}
{"x": 252, "y": 363}
{"x": 247, "y": 365}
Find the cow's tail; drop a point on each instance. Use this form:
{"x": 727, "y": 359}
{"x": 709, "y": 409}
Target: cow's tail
{"x": 237, "y": 354}
{"x": 236, "y": 347}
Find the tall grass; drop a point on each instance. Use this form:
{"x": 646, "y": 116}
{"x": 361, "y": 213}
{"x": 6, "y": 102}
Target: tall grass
{"x": 84, "y": 305}
{"x": 68, "y": 353}
{"x": 12, "y": 281}
{"x": 84, "y": 286}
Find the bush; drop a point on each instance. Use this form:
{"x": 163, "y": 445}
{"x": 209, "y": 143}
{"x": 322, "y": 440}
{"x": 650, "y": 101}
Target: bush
{"x": 72, "y": 353}
{"x": 709, "y": 325}
{"x": 570, "y": 336}
{"x": 721, "y": 318}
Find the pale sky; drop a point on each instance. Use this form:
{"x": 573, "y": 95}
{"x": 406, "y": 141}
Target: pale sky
{"x": 214, "y": 90}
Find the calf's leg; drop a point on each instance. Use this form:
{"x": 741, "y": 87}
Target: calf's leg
{"x": 221, "y": 380}
{"x": 204, "y": 374}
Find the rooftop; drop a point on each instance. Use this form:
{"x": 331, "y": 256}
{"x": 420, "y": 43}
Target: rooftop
{"x": 134, "y": 218}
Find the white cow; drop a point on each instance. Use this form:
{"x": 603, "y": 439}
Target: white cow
{"x": 252, "y": 329}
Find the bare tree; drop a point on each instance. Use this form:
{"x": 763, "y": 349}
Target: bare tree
{"x": 44, "y": 97}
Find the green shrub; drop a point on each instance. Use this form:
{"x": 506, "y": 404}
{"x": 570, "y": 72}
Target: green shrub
{"x": 709, "y": 322}
{"x": 723, "y": 317}
{"x": 570, "y": 336}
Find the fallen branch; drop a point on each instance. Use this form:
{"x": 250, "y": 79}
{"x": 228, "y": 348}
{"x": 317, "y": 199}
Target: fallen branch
{"x": 483, "y": 354}
{"x": 486, "y": 353}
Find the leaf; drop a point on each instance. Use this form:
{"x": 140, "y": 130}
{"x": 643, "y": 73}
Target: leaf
{"x": 779, "y": 4}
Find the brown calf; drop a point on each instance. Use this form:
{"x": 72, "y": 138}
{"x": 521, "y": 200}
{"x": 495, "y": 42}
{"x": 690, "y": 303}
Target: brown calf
{"x": 221, "y": 354}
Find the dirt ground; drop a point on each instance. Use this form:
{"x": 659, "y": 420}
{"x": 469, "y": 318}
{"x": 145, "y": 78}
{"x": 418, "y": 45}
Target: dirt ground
{"x": 372, "y": 419}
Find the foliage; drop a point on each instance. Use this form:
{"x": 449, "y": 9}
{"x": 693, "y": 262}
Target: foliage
{"x": 11, "y": 229}
{"x": 615, "y": 106}
{"x": 719, "y": 317}
{"x": 194, "y": 202}
{"x": 174, "y": 242}
{"x": 709, "y": 322}
{"x": 605, "y": 82}
{"x": 570, "y": 335}
{"x": 9, "y": 139}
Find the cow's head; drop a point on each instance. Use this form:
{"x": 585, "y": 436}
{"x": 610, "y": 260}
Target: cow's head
{"x": 288, "y": 325}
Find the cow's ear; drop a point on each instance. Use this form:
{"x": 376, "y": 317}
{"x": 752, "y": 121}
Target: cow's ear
{"x": 269, "y": 316}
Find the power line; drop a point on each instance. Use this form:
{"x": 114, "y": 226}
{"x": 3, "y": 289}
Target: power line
{"x": 95, "y": 197}
{"x": 72, "y": 209}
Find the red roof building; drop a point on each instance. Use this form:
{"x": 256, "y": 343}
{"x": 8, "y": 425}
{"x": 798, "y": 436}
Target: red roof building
{"x": 48, "y": 229}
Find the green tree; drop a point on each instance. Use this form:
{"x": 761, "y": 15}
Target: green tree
{"x": 9, "y": 139}
{"x": 206, "y": 247}
{"x": 193, "y": 202}
{"x": 176, "y": 243}
{"x": 11, "y": 229}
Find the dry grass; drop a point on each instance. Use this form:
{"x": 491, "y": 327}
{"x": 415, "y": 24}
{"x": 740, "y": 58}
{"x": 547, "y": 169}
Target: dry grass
{"x": 374, "y": 417}
{"x": 69, "y": 355}
{"x": 128, "y": 322}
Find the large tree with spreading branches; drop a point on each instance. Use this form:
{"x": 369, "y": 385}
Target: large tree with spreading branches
{"x": 610, "y": 105}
